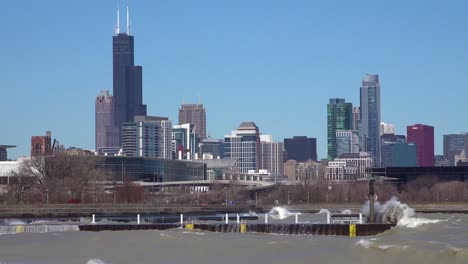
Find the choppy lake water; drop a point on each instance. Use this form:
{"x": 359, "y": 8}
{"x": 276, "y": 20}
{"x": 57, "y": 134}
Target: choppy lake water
{"x": 422, "y": 238}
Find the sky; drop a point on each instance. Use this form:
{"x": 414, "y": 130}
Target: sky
{"x": 273, "y": 62}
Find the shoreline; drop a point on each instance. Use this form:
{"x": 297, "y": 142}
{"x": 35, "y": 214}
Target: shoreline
{"x": 85, "y": 210}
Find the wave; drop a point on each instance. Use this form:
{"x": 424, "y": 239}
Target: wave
{"x": 346, "y": 211}
{"x": 323, "y": 211}
{"x": 280, "y": 213}
{"x": 368, "y": 243}
{"x": 95, "y": 261}
{"x": 395, "y": 212}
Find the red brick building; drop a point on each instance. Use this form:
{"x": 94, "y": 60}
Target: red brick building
{"x": 41, "y": 145}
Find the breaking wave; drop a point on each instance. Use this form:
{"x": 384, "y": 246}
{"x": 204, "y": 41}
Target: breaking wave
{"x": 280, "y": 213}
{"x": 323, "y": 211}
{"x": 395, "y": 212}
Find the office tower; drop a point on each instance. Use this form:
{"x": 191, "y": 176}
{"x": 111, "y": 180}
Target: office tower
{"x": 301, "y": 148}
{"x": 340, "y": 117}
{"x": 211, "y": 147}
{"x": 387, "y": 141}
{"x": 356, "y": 118}
{"x": 370, "y": 116}
{"x": 107, "y": 135}
{"x": 347, "y": 141}
{"x": 403, "y": 155}
{"x": 41, "y": 145}
{"x": 423, "y": 137}
{"x": 453, "y": 146}
{"x": 244, "y": 145}
{"x": 349, "y": 166}
{"x": 186, "y": 140}
{"x": 271, "y": 155}
{"x": 387, "y": 128}
{"x": 194, "y": 114}
{"x": 148, "y": 137}
{"x": 127, "y": 79}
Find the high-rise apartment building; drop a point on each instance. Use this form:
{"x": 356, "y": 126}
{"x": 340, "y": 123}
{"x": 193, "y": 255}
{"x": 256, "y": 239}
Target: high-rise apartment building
{"x": 423, "y": 137}
{"x": 107, "y": 135}
{"x": 370, "y": 116}
{"x": 453, "y": 146}
{"x": 186, "y": 141}
{"x": 194, "y": 114}
{"x": 147, "y": 137}
{"x": 244, "y": 145}
{"x": 127, "y": 78}
{"x": 301, "y": 148}
{"x": 271, "y": 155}
{"x": 347, "y": 141}
{"x": 340, "y": 117}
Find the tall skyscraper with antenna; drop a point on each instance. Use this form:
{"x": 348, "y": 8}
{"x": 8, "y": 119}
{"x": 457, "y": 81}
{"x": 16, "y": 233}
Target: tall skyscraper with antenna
{"x": 127, "y": 78}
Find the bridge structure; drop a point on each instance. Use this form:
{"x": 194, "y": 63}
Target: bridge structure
{"x": 198, "y": 185}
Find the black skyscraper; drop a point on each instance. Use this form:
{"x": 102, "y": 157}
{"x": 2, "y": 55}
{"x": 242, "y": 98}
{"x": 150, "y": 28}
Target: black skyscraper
{"x": 128, "y": 96}
{"x": 301, "y": 148}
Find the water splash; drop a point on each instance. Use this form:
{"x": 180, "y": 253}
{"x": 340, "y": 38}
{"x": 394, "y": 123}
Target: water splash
{"x": 280, "y": 213}
{"x": 395, "y": 212}
{"x": 347, "y": 211}
{"x": 323, "y": 211}
{"x": 95, "y": 261}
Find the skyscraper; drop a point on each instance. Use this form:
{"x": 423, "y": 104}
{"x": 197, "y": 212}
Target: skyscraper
{"x": 271, "y": 155}
{"x": 107, "y": 135}
{"x": 212, "y": 147}
{"x": 186, "y": 140}
{"x": 370, "y": 116}
{"x": 194, "y": 114}
{"x": 301, "y": 148}
{"x": 423, "y": 137}
{"x": 347, "y": 141}
{"x": 244, "y": 145}
{"x": 147, "y": 136}
{"x": 340, "y": 117}
{"x": 387, "y": 142}
{"x": 356, "y": 118}
{"x": 453, "y": 146}
{"x": 127, "y": 78}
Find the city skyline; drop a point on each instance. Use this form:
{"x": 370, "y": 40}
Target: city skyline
{"x": 58, "y": 94}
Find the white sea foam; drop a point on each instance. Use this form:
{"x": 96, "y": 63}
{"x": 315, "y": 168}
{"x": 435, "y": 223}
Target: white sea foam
{"x": 14, "y": 222}
{"x": 280, "y": 213}
{"x": 395, "y": 212}
{"x": 365, "y": 243}
{"x": 95, "y": 261}
{"x": 323, "y": 211}
{"x": 346, "y": 211}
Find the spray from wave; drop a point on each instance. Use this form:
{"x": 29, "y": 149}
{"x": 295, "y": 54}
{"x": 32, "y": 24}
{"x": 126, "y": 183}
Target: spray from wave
{"x": 280, "y": 213}
{"x": 395, "y": 212}
{"x": 323, "y": 211}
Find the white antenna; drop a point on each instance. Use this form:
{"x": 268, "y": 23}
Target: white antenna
{"x": 128, "y": 22}
{"x": 117, "y": 28}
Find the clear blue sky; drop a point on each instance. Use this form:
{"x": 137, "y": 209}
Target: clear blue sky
{"x": 273, "y": 62}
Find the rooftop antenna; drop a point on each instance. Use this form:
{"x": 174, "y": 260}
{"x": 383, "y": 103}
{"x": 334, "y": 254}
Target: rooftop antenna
{"x": 117, "y": 28}
{"x": 199, "y": 99}
{"x": 128, "y": 22}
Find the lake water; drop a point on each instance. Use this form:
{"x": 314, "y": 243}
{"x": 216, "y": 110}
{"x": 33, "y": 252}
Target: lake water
{"x": 420, "y": 238}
